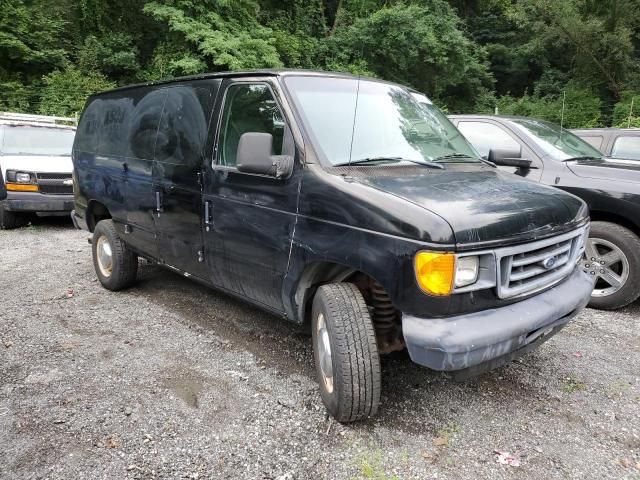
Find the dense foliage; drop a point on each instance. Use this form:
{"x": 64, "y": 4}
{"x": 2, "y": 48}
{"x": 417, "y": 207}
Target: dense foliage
{"x": 527, "y": 57}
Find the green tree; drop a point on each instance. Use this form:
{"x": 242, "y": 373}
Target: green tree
{"x": 417, "y": 45}
{"x": 218, "y": 33}
{"x": 65, "y": 91}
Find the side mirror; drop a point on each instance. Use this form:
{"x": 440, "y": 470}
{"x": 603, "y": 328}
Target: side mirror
{"x": 254, "y": 156}
{"x": 508, "y": 158}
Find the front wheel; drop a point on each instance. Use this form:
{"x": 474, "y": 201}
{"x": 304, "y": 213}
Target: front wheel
{"x": 9, "y": 220}
{"x": 345, "y": 353}
{"x": 115, "y": 265}
{"x": 613, "y": 257}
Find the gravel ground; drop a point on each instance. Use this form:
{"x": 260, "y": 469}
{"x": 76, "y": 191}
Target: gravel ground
{"x": 172, "y": 380}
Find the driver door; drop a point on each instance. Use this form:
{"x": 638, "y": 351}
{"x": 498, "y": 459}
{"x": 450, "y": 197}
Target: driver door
{"x": 250, "y": 218}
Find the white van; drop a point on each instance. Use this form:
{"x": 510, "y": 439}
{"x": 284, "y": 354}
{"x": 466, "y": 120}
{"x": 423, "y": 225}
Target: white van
{"x": 35, "y": 161}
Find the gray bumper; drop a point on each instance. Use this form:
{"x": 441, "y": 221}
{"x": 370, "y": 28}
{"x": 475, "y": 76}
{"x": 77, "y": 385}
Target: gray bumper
{"x": 483, "y": 340}
{"x": 37, "y": 202}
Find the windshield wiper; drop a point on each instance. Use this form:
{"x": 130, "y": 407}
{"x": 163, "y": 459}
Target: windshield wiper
{"x": 375, "y": 160}
{"x": 584, "y": 157}
{"x": 464, "y": 155}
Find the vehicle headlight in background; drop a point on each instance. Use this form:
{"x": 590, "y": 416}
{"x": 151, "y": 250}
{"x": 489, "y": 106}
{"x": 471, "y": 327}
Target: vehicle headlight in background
{"x": 21, "y": 181}
{"x": 466, "y": 271}
{"x": 23, "y": 177}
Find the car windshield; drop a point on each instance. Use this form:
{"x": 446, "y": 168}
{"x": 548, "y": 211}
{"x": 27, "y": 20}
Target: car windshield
{"x": 353, "y": 120}
{"x": 24, "y": 140}
{"x": 558, "y": 143}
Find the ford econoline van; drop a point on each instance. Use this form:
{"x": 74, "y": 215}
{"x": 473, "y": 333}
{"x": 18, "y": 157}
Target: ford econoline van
{"x": 347, "y": 205}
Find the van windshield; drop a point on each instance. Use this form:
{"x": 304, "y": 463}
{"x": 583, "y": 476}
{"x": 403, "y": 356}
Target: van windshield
{"x": 55, "y": 142}
{"x": 558, "y": 143}
{"x": 351, "y": 120}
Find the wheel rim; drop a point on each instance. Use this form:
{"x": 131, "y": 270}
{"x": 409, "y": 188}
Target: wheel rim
{"x": 104, "y": 256}
{"x": 323, "y": 346}
{"x": 608, "y": 263}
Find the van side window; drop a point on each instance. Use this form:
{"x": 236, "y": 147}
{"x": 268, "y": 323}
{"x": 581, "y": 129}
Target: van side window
{"x": 143, "y": 126}
{"x": 627, "y": 147}
{"x": 485, "y": 136}
{"x": 248, "y": 108}
{"x": 183, "y": 128}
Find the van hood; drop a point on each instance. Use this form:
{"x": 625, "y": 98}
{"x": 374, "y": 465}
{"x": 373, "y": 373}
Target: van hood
{"x": 486, "y": 206}
{"x": 36, "y": 164}
{"x": 614, "y": 169}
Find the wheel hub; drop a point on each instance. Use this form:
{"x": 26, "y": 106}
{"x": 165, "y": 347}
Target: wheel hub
{"x": 608, "y": 264}
{"x": 323, "y": 346}
{"x": 104, "y": 256}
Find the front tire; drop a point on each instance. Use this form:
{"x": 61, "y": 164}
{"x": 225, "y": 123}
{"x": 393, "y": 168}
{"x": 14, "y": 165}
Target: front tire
{"x": 10, "y": 220}
{"x": 346, "y": 353}
{"x": 613, "y": 257}
{"x": 115, "y": 264}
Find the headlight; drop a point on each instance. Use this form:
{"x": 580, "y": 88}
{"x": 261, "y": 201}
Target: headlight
{"x": 435, "y": 272}
{"x": 466, "y": 271}
{"x": 21, "y": 181}
{"x": 439, "y": 273}
{"x": 23, "y": 177}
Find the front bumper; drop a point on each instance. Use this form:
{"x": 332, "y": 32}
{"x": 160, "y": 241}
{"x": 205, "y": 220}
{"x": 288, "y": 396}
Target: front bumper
{"x": 476, "y": 342}
{"x": 37, "y": 202}
{"x": 79, "y": 221}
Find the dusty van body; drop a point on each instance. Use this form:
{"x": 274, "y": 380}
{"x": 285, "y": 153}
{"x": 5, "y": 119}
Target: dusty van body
{"x": 349, "y": 205}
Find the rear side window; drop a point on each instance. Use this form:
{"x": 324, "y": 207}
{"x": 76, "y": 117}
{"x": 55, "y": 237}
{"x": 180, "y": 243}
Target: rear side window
{"x": 248, "y": 108}
{"x": 182, "y": 132}
{"x": 627, "y": 147}
{"x": 485, "y": 136}
{"x": 594, "y": 141}
{"x": 123, "y": 124}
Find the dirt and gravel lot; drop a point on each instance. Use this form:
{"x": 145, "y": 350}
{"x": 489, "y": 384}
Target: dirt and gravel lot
{"x": 172, "y": 380}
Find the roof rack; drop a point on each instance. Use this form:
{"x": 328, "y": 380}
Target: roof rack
{"x": 26, "y": 117}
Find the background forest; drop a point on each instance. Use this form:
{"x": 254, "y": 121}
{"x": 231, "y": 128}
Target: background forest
{"x": 519, "y": 56}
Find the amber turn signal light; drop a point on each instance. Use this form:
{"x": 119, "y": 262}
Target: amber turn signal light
{"x": 435, "y": 272}
{"x": 21, "y": 187}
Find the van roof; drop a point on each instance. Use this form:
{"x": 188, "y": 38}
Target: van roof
{"x": 247, "y": 73}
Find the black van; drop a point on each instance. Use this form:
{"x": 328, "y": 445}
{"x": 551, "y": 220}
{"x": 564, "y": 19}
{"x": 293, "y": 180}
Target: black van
{"x": 349, "y": 205}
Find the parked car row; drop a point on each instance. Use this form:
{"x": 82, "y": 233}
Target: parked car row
{"x": 545, "y": 153}
{"x": 35, "y": 162}
{"x": 622, "y": 143}
{"x": 353, "y": 208}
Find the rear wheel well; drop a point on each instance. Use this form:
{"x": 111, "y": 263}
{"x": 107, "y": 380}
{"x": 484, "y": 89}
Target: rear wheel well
{"x": 96, "y": 211}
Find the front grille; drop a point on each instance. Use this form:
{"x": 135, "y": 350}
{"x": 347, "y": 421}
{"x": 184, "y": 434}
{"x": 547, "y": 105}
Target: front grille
{"x": 528, "y": 268}
{"x": 53, "y": 176}
{"x": 54, "y": 183}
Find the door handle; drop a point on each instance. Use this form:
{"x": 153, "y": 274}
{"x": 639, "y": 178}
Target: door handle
{"x": 208, "y": 217}
{"x": 159, "y": 208}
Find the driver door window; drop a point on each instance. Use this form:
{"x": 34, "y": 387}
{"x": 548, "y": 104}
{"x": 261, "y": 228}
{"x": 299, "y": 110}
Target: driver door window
{"x": 485, "y": 136}
{"x": 248, "y": 108}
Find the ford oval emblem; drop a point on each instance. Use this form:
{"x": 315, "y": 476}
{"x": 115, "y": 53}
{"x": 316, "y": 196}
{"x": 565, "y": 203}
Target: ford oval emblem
{"x": 549, "y": 263}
